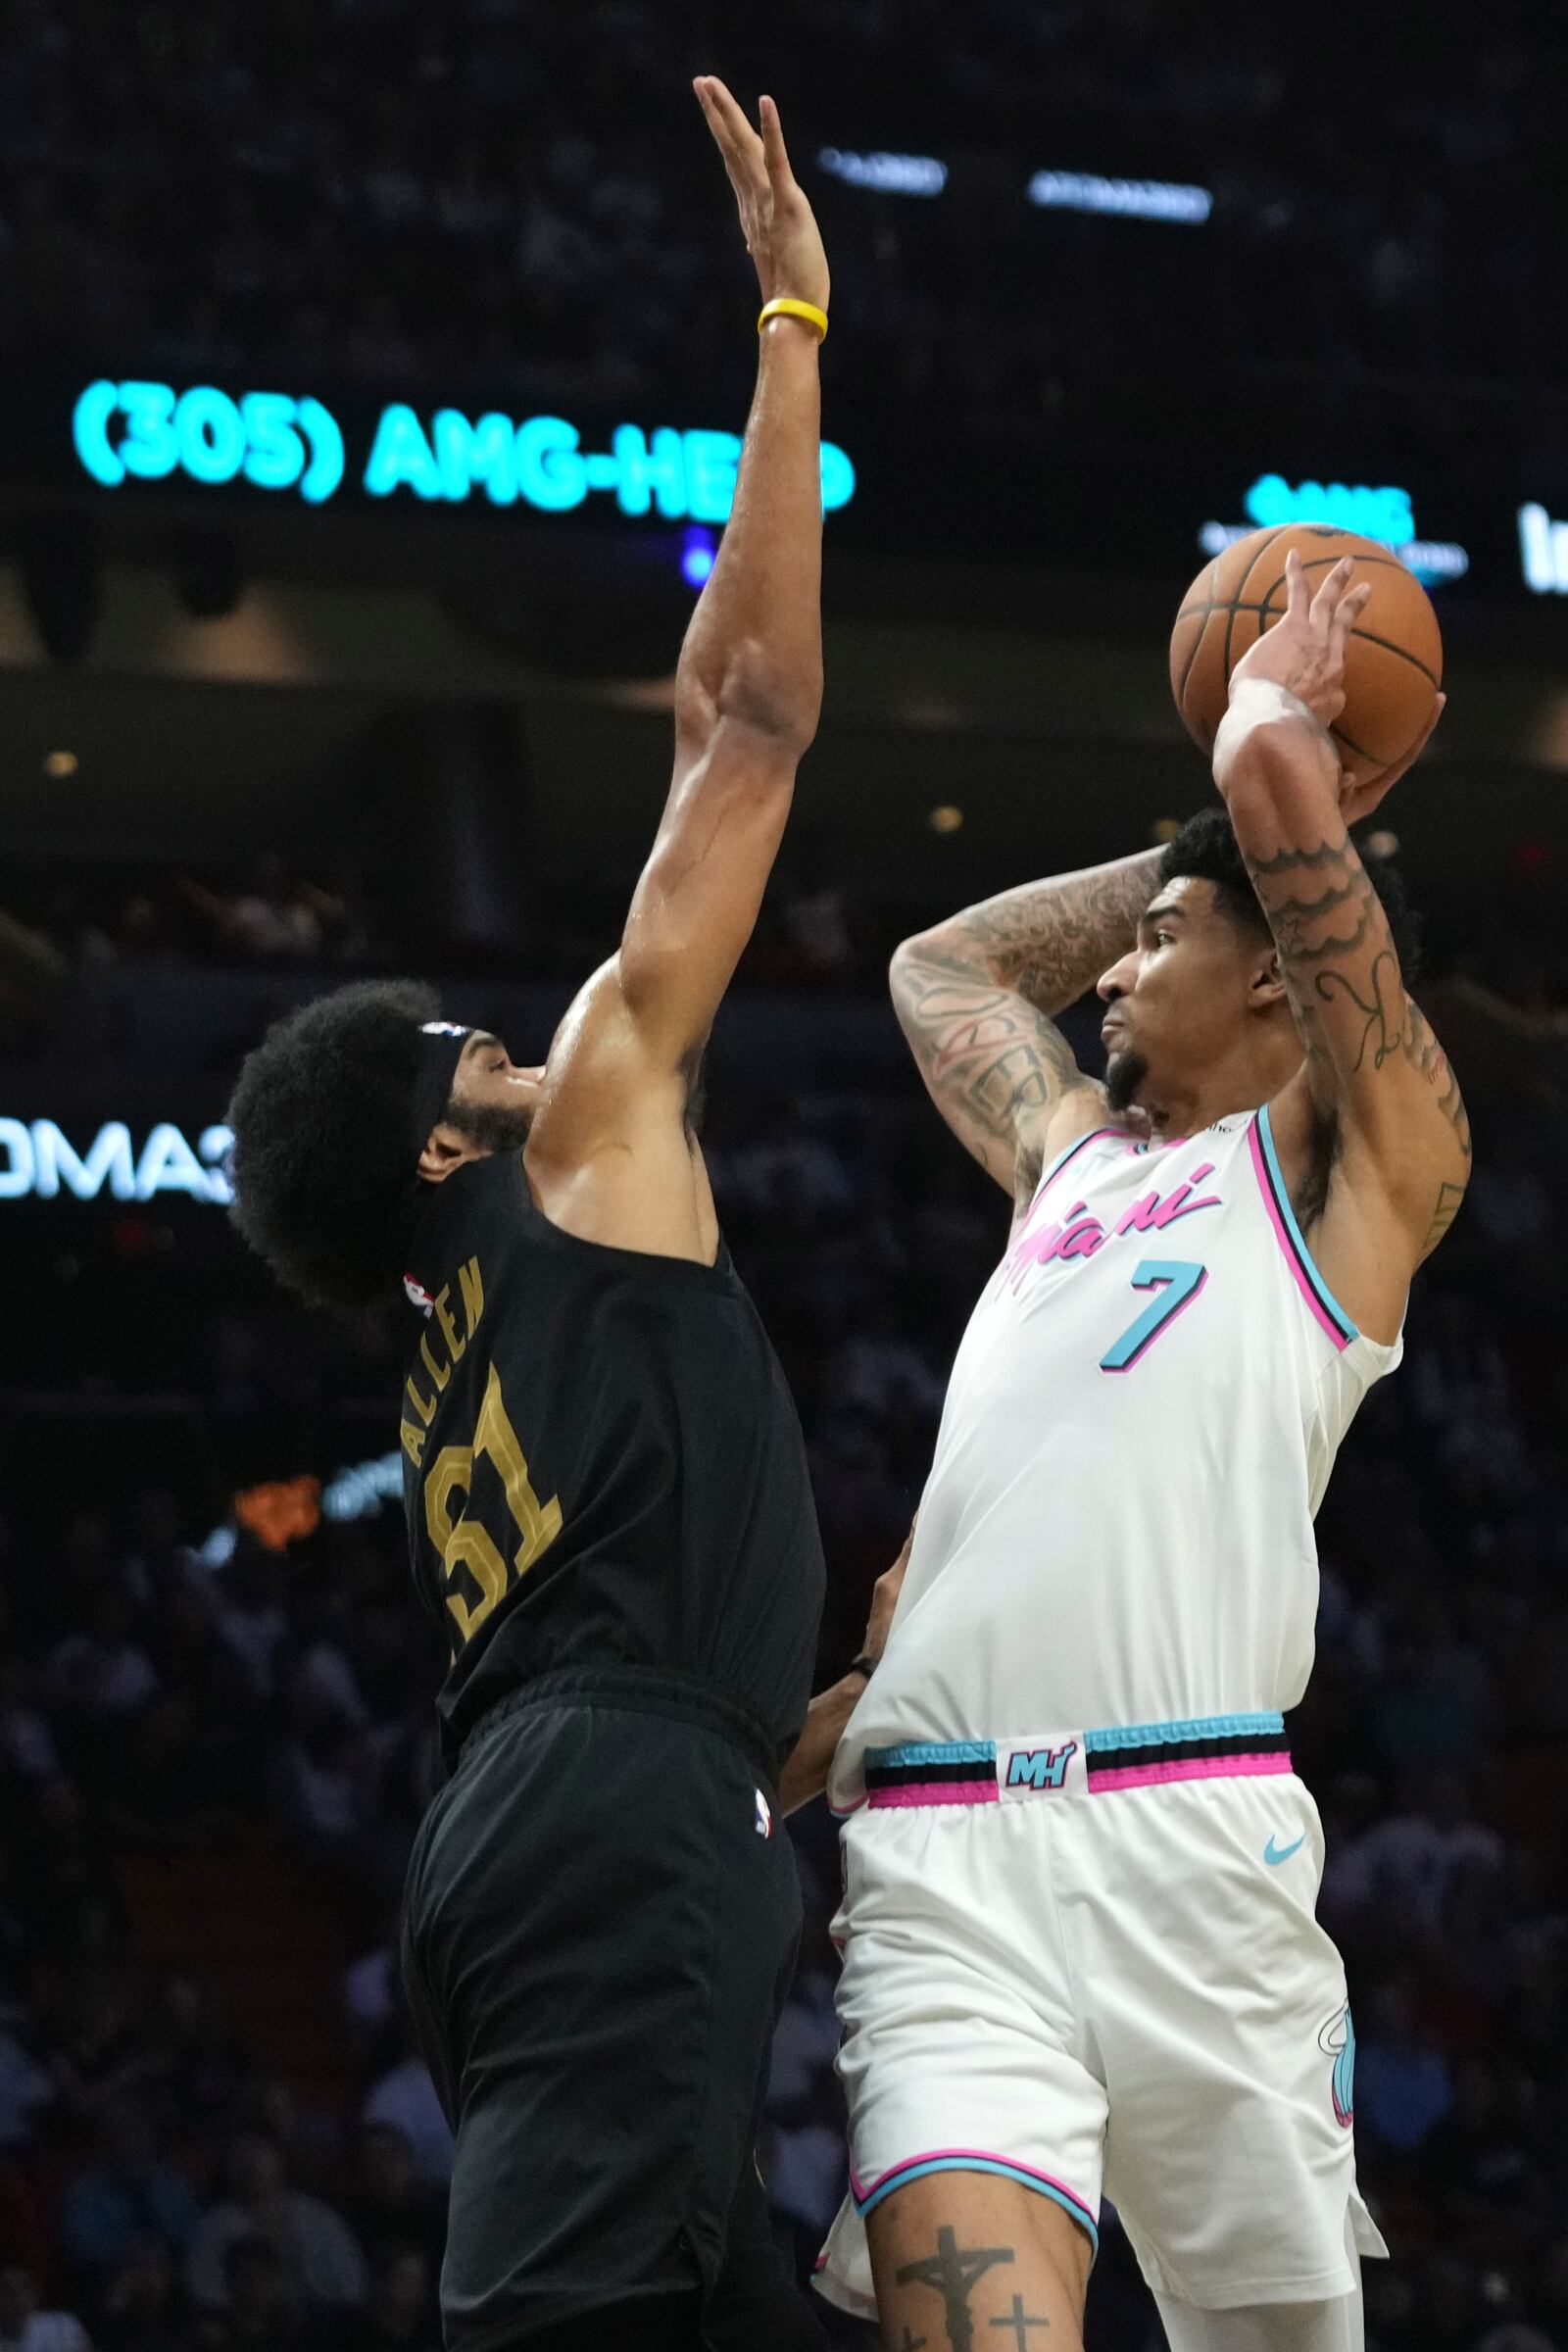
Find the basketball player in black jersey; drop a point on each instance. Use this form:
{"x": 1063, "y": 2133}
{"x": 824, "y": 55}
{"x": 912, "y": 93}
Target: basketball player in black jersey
{"x": 607, "y": 1490}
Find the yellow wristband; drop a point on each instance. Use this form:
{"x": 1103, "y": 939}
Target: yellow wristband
{"x": 785, "y": 306}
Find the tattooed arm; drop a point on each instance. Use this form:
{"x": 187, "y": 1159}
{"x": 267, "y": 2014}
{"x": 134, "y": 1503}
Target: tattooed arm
{"x": 976, "y": 998}
{"x": 1375, "y": 1095}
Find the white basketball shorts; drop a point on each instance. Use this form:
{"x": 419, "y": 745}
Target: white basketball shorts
{"x": 1090, "y": 1960}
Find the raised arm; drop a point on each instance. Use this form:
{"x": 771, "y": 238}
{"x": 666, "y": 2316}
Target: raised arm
{"x": 749, "y": 685}
{"x": 1375, "y": 1084}
{"x": 977, "y": 998}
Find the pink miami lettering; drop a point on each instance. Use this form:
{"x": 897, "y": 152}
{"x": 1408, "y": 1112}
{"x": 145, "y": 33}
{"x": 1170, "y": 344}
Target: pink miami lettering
{"x": 1080, "y": 1235}
{"x": 1154, "y": 1214}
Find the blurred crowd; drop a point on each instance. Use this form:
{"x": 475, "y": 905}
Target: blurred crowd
{"x": 268, "y": 914}
{"x": 165, "y": 2187}
{"x": 519, "y": 195}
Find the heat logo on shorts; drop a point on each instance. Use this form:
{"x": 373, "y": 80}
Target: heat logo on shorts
{"x": 1337, "y": 2040}
{"x": 1040, "y": 1767}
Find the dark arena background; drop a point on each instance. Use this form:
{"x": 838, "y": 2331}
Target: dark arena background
{"x": 371, "y": 378}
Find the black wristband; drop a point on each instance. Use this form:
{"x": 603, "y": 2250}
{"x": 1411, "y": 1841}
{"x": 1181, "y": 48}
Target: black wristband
{"x": 864, "y": 1665}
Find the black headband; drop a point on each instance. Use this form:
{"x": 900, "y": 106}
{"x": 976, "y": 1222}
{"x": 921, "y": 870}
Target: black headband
{"x": 441, "y": 1045}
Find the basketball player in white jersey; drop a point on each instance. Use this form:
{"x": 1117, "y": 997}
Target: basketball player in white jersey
{"x": 1080, "y": 1948}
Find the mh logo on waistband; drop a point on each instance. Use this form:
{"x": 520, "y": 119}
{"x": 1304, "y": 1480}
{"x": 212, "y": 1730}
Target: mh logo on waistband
{"x": 1040, "y": 1767}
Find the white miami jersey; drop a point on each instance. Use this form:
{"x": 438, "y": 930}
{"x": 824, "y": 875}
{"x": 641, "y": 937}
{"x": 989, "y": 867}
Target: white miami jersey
{"x": 1141, "y": 1422}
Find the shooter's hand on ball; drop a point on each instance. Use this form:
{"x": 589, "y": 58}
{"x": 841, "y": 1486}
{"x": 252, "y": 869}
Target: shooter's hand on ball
{"x": 780, "y": 228}
{"x": 1304, "y": 651}
{"x": 1303, "y": 654}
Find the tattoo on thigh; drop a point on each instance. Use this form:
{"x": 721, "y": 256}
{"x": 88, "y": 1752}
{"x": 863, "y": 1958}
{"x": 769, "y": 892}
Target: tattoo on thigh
{"x": 1020, "y": 2322}
{"x": 954, "y": 2272}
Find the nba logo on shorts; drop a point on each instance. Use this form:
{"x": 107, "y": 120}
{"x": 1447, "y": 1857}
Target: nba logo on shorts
{"x": 764, "y": 1817}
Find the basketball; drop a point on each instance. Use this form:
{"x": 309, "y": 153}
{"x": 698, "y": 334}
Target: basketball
{"x": 1394, "y": 663}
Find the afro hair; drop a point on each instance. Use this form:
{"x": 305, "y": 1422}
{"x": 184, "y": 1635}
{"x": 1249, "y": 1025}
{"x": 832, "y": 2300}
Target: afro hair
{"x": 326, "y": 1184}
{"x": 1206, "y": 850}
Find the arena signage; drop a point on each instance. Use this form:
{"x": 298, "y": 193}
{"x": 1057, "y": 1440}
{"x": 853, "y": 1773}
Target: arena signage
{"x": 888, "y": 175}
{"x": 1386, "y": 515}
{"x": 296, "y": 1506}
{"x": 144, "y": 431}
{"x": 1542, "y": 551}
{"x": 1128, "y": 199}
{"x": 38, "y": 1162}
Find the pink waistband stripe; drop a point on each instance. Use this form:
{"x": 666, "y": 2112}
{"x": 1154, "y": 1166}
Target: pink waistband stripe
{"x": 1189, "y": 1767}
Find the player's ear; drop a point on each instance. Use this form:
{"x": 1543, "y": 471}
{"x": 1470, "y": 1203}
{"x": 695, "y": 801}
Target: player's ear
{"x": 446, "y": 1148}
{"x": 1268, "y": 982}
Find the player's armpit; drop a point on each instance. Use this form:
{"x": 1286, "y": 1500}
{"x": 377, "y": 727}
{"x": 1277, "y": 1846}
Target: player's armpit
{"x": 1001, "y": 1072}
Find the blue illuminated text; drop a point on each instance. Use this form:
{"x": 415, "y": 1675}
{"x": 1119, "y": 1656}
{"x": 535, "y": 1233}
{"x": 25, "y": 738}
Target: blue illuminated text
{"x": 1385, "y": 514}
{"x": 37, "y": 1160}
{"x": 1132, "y": 199}
{"x": 144, "y": 431}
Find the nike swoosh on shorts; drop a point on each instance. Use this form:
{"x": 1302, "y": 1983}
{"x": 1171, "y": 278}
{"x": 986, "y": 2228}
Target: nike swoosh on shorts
{"x": 1281, "y": 1853}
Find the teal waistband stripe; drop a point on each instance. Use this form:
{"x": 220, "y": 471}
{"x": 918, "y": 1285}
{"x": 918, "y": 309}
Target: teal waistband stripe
{"x": 940, "y": 1752}
{"x": 1198, "y": 1727}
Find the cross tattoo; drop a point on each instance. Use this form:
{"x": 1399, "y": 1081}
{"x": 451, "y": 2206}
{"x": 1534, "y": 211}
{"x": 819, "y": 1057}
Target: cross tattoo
{"x": 954, "y": 2272}
{"x": 1020, "y": 2322}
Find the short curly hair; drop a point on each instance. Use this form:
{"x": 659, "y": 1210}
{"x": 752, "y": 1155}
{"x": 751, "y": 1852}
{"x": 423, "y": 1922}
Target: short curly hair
{"x": 1206, "y": 850}
{"x": 326, "y": 1184}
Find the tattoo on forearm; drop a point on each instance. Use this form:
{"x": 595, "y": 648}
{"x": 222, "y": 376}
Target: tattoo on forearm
{"x": 954, "y": 2272}
{"x": 1050, "y": 941}
{"x": 1322, "y": 909}
{"x": 977, "y": 998}
{"x": 989, "y": 1059}
{"x": 1385, "y": 1013}
{"x": 1335, "y": 952}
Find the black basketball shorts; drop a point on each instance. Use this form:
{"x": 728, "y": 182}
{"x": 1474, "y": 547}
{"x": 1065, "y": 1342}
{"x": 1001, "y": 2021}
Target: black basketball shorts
{"x": 601, "y": 1923}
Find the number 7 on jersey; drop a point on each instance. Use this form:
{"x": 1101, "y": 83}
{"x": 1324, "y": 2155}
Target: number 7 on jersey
{"x": 1176, "y": 1281}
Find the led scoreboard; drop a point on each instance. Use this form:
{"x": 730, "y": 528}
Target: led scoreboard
{"x": 134, "y": 430}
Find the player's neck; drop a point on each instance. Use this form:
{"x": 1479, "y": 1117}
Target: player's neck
{"x": 1253, "y": 1074}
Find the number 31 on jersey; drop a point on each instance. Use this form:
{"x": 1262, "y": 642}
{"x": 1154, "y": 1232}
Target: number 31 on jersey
{"x": 463, "y": 1543}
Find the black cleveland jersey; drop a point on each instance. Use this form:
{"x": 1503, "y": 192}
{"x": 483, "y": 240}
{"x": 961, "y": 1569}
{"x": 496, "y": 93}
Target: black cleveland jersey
{"x": 602, "y": 1463}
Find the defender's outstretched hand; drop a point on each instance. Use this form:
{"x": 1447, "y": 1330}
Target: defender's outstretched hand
{"x": 780, "y": 228}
